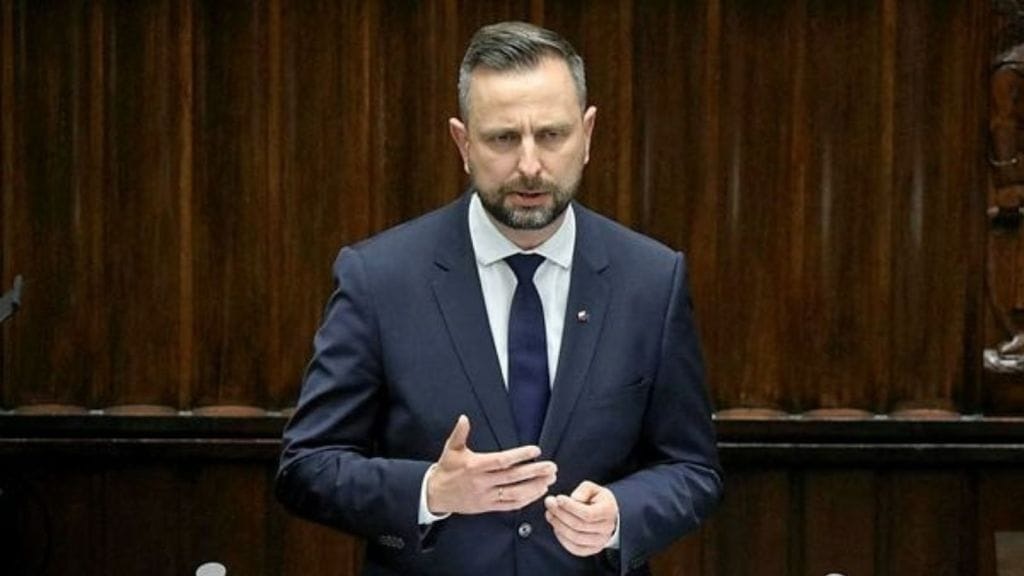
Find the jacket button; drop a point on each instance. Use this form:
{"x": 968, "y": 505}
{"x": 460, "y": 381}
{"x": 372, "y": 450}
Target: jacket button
{"x": 525, "y": 530}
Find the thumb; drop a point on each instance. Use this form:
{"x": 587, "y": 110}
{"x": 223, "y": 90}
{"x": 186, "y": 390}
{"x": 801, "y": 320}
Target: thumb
{"x": 585, "y": 492}
{"x": 460, "y": 433}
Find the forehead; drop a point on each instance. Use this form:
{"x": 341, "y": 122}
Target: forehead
{"x": 546, "y": 89}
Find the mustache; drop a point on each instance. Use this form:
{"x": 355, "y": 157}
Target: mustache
{"x": 537, "y": 184}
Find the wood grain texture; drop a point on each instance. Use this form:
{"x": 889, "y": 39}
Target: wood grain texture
{"x": 932, "y": 136}
{"x": 141, "y": 214}
{"x": 51, "y": 207}
{"x": 178, "y": 177}
{"x": 233, "y": 230}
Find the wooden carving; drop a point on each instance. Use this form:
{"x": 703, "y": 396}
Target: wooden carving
{"x": 1004, "y": 353}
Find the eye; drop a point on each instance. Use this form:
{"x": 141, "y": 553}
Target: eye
{"x": 551, "y": 135}
{"x": 504, "y": 138}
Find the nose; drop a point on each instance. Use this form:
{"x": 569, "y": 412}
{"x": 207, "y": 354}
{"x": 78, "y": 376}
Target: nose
{"x": 529, "y": 160}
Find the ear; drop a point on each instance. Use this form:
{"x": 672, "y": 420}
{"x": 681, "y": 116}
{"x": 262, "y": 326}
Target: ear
{"x": 588, "y": 128}
{"x": 461, "y": 138}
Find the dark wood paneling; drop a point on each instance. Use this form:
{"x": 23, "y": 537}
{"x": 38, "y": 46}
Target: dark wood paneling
{"x": 838, "y": 523}
{"x": 52, "y": 205}
{"x": 178, "y": 176}
{"x": 839, "y": 284}
{"x": 935, "y": 54}
{"x": 308, "y": 548}
{"x": 1000, "y": 509}
{"x": 142, "y": 522}
{"x": 326, "y": 201}
{"x": 756, "y": 241}
{"x": 141, "y": 213}
{"x": 415, "y": 58}
{"x": 923, "y": 530}
{"x": 234, "y": 219}
{"x": 753, "y": 529}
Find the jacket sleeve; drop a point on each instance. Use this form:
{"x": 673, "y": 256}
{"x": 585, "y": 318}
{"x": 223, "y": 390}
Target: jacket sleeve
{"x": 679, "y": 482}
{"x": 329, "y": 471}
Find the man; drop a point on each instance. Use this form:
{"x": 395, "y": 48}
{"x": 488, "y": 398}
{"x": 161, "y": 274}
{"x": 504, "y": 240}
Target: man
{"x": 465, "y": 420}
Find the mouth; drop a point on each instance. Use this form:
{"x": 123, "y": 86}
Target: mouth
{"x": 529, "y": 197}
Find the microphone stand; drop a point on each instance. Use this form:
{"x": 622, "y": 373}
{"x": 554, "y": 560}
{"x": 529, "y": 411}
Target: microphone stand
{"x": 11, "y": 301}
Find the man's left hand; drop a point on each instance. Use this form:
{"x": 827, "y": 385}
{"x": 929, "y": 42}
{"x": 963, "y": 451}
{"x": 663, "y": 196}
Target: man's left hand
{"x": 585, "y": 520}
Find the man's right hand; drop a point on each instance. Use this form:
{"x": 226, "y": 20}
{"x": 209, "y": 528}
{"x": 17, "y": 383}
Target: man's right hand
{"x": 466, "y": 482}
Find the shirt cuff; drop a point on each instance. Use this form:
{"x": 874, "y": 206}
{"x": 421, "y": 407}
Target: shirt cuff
{"x": 613, "y": 542}
{"x": 426, "y": 518}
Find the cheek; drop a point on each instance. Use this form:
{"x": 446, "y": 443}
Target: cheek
{"x": 491, "y": 167}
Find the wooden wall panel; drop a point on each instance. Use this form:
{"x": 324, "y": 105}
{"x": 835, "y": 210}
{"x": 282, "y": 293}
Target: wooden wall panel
{"x": 142, "y": 522}
{"x": 193, "y": 167}
{"x": 936, "y": 63}
{"x": 52, "y": 208}
{"x": 233, "y": 206}
{"x": 308, "y": 548}
{"x": 839, "y": 281}
{"x": 926, "y": 520}
{"x": 141, "y": 212}
{"x": 228, "y": 511}
{"x": 753, "y": 530}
{"x": 1000, "y": 509}
{"x": 58, "y": 520}
{"x": 839, "y": 522}
{"x": 756, "y": 242}
{"x": 143, "y": 516}
{"x": 324, "y": 149}
{"x": 415, "y": 59}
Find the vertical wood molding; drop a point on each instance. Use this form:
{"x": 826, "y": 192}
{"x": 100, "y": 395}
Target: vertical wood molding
{"x": 274, "y": 236}
{"x": 186, "y": 179}
{"x": 7, "y": 175}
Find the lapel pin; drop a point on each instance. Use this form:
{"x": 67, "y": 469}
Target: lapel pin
{"x": 582, "y": 316}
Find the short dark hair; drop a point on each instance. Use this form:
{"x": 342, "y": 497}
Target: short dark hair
{"x": 517, "y": 46}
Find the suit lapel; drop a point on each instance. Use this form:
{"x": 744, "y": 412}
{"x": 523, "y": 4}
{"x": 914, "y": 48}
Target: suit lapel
{"x": 457, "y": 289}
{"x": 585, "y": 310}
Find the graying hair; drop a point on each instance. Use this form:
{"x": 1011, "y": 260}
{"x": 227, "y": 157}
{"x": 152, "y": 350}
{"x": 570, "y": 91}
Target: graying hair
{"x": 517, "y": 46}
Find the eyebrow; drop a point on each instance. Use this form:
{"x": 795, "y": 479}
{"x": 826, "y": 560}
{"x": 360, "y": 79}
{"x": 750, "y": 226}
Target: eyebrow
{"x": 497, "y": 130}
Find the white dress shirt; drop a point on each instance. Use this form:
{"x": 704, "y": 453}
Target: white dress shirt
{"x": 498, "y": 282}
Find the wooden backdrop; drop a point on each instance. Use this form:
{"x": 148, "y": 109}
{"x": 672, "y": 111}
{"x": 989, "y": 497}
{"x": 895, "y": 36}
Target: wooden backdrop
{"x": 176, "y": 177}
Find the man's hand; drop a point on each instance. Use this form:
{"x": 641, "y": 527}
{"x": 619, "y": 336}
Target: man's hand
{"x": 585, "y": 520}
{"x": 465, "y": 482}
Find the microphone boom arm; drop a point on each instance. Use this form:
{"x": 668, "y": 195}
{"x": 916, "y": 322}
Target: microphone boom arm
{"x": 11, "y": 301}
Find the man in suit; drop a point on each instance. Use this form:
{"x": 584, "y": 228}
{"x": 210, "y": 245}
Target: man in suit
{"x": 464, "y": 419}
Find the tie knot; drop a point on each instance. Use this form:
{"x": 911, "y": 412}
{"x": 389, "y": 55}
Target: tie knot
{"x": 524, "y": 265}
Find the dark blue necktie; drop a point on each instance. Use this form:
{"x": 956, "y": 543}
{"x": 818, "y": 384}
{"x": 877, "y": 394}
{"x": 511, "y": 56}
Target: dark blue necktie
{"x": 528, "y": 384}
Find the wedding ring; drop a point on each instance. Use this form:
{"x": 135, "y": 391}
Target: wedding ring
{"x": 501, "y": 494}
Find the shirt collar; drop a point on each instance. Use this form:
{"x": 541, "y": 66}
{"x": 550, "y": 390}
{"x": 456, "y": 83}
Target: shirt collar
{"x": 490, "y": 245}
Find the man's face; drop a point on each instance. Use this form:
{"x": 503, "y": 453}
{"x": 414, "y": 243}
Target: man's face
{"x": 525, "y": 143}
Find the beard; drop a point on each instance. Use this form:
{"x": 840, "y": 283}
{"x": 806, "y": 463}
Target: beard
{"x": 527, "y": 217}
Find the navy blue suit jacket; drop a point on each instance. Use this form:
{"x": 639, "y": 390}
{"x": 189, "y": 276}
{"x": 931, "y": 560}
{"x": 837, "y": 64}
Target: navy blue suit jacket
{"x": 405, "y": 348}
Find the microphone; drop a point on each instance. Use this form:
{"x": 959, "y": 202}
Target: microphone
{"x": 11, "y": 301}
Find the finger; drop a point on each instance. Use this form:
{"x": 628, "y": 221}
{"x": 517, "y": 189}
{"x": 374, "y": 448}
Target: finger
{"x": 493, "y": 461}
{"x": 575, "y": 542}
{"x": 585, "y": 539}
{"x": 599, "y": 526}
{"x": 524, "y": 493}
{"x": 585, "y": 492}
{"x": 524, "y": 473}
{"x": 460, "y": 433}
{"x": 597, "y": 517}
{"x": 584, "y": 512}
